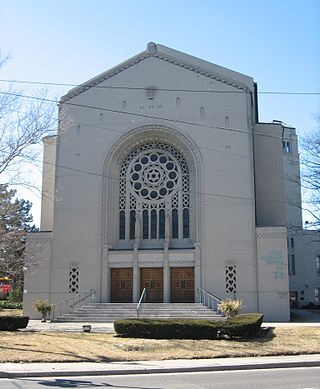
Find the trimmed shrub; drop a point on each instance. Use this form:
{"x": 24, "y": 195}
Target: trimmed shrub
{"x": 166, "y": 329}
{"x": 13, "y": 323}
{"x": 244, "y": 326}
{"x": 10, "y": 305}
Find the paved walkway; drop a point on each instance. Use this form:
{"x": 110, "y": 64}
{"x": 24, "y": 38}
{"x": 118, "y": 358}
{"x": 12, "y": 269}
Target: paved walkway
{"x": 10, "y": 370}
{"x": 307, "y": 315}
{"x": 37, "y": 325}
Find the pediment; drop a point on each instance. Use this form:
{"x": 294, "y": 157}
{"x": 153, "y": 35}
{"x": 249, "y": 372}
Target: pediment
{"x": 163, "y": 53}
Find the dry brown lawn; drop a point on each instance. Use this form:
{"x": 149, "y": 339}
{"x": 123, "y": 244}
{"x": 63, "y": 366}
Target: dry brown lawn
{"x": 102, "y": 347}
{"x": 11, "y": 312}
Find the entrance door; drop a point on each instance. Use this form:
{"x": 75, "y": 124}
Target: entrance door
{"x": 182, "y": 284}
{"x": 152, "y": 280}
{"x": 121, "y": 285}
{"x": 293, "y": 299}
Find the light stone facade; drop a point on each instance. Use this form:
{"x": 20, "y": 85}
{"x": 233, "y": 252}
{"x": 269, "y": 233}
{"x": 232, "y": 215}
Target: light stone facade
{"x": 148, "y": 180}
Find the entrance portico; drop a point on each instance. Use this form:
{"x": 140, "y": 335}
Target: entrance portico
{"x": 156, "y": 270}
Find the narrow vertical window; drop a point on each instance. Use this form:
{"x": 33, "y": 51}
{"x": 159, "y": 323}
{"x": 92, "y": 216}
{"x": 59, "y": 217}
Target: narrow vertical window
{"x": 316, "y": 295}
{"x": 292, "y": 243}
{"x": 283, "y": 146}
{"x": 318, "y": 264}
{"x": 162, "y": 222}
{"x": 175, "y": 222}
{"x": 145, "y": 222}
{"x": 202, "y": 112}
{"x": 132, "y": 224}
{"x": 122, "y": 225}
{"x": 178, "y": 102}
{"x": 226, "y": 122}
{"x": 288, "y": 147}
{"x": 124, "y": 105}
{"x": 186, "y": 223}
{"x": 74, "y": 278}
{"x": 153, "y": 224}
{"x": 101, "y": 118}
{"x": 292, "y": 267}
{"x": 78, "y": 130}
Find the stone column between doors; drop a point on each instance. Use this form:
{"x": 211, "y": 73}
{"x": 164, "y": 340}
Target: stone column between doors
{"x": 136, "y": 274}
{"x": 166, "y": 274}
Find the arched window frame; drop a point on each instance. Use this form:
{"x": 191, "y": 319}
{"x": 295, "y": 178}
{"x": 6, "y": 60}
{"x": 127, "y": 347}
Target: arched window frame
{"x": 153, "y": 219}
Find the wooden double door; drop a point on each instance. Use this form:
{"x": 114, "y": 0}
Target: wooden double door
{"x": 152, "y": 280}
{"x": 182, "y": 284}
{"x": 121, "y": 285}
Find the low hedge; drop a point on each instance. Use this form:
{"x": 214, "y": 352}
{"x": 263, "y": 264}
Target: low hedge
{"x": 244, "y": 326}
{"x": 6, "y": 304}
{"x": 13, "y": 323}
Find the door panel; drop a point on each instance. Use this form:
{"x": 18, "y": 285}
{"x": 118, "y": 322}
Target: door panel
{"x": 152, "y": 280}
{"x": 121, "y": 285}
{"x": 182, "y": 284}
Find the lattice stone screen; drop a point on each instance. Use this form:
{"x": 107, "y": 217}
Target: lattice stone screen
{"x": 74, "y": 279}
{"x": 231, "y": 278}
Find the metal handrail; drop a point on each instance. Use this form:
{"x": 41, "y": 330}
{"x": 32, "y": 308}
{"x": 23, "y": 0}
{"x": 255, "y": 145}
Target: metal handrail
{"x": 72, "y": 302}
{"x": 209, "y": 300}
{"x": 142, "y": 299}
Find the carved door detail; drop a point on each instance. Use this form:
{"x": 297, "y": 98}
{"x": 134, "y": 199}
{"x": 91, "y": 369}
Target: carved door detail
{"x": 152, "y": 280}
{"x": 121, "y": 285}
{"x": 182, "y": 284}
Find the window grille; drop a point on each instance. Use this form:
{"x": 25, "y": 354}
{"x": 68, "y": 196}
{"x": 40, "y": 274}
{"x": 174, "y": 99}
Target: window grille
{"x": 231, "y": 278}
{"x": 74, "y": 278}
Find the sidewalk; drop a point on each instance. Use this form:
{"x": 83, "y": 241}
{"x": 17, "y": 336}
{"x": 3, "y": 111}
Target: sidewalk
{"x": 14, "y": 370}
{"x": 37, "y": 325}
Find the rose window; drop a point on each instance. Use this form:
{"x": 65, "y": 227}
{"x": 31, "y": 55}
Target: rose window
{"x": 153, "y": 176}
{"x": 154, "y": 194}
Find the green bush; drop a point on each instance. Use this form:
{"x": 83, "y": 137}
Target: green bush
{"x": 230, "y": 307}
{"x": 244, "y": 326}
{"x": 44, "y": 308}
{"x": 16, "y": 294}
{"x": 166, "y": 329}
{"x": 6, "y": 304}
{"x": 13, "y": 323}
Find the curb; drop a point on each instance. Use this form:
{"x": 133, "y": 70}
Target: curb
{"x": 155, "y": 370}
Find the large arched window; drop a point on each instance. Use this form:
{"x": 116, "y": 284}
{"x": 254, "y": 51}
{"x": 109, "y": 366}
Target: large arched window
{"x": 154, "y": 194}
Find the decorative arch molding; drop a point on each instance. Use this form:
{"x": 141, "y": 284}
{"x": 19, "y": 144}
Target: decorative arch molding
{"x": 119, "y": 152}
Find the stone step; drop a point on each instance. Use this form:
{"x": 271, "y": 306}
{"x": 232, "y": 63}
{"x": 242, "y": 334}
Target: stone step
{"x": 109, "y": 312}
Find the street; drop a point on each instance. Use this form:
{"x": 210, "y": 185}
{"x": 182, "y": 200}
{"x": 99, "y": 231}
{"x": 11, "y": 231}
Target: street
{"x": 264, "y": 378}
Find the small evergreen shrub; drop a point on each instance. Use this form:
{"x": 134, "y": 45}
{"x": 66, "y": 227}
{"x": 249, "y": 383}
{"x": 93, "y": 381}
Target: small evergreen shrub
{"x": 16, "y": 294}
{"x": 6, "y": 304}
{"x": 243, "y": 326}
{"x": 13, "y": 323}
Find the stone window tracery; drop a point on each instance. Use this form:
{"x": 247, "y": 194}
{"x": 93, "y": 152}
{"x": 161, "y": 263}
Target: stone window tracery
{"x": 74, "y": 279}
{"x": 154, "y": 196}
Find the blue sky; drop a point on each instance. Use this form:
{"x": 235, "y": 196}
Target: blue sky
{"x": 275, "y": 42}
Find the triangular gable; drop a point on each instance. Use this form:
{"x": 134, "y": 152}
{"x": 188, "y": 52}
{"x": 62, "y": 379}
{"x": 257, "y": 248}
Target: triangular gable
{"x": 165, "y": 54}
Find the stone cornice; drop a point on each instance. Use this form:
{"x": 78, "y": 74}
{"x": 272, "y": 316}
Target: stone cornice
{"x": 149, "y": 54}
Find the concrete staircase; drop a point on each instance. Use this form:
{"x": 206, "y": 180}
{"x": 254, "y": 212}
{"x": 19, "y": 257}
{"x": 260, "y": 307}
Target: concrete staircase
{"x": 109, "y": 312}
